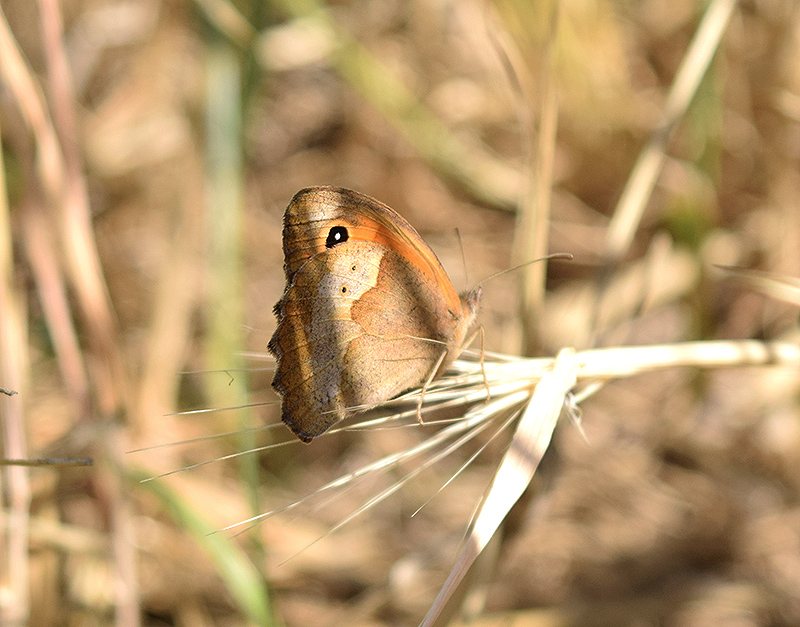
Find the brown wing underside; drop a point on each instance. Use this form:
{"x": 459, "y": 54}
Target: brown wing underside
{"x": 313, "y": 211}
{"x": 360, "y": 321}
{"x": 343, "y": 352}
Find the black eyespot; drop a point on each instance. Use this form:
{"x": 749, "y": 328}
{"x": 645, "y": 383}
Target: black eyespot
{"x": 344, "y": 289}
{"x": 337, "y": 235}
{"x": 353, "y": 269}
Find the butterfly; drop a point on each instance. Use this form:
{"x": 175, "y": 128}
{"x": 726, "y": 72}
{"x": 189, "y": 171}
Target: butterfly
{"x": 368, "y": 311}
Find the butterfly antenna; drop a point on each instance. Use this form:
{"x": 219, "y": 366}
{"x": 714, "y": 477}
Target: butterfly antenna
{"x": 463, "y": 256}
{"x": 491, "y": 277}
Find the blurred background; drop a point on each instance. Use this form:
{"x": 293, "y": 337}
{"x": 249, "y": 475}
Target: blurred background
{"x": 149, "y": 150}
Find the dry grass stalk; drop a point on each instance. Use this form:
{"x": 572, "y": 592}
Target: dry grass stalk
{"x": 533, "y": 414}
{"x": 14, "y": 481}
{"x": 642, "y": 180}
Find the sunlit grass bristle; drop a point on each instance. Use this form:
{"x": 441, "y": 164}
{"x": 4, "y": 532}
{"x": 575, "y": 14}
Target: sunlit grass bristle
{"x": 227, "y": 370}
{"x": 212, "y": 410}
{"x": 205, "y": 438}
{"x": 236, "y": 455}
{"x": 440, "y": 445}
{"x": 779, "y": 287}
{"x": 464, "y": 387}
{"x": 505, "y": 425}
{"x": 259, "y": 356}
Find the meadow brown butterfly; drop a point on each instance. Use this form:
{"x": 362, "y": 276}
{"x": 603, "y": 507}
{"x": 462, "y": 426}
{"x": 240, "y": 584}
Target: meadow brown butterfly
{"x": 368, "y": 311}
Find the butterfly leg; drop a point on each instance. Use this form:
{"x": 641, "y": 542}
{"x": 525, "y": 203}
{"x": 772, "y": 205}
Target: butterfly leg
{"x": 434, "y": 370}
{"x": 470, "y": 340}
{"x": 483, "y": 365}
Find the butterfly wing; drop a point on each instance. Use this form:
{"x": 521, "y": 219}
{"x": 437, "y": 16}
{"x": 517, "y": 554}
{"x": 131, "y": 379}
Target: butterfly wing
{"x": 367, "y": 313}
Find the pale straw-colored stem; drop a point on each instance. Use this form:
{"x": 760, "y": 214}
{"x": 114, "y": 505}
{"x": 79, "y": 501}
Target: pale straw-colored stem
{"x": 630, "y": 208}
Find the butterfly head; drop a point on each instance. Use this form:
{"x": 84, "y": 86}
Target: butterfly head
{"x": 470, "y": 303}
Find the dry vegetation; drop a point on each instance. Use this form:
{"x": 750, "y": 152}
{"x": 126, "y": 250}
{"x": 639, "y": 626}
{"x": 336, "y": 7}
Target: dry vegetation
{"x": 149, "y": 149}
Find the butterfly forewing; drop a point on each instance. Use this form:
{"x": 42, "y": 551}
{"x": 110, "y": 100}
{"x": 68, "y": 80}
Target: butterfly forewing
{"x": 367, "y": 313}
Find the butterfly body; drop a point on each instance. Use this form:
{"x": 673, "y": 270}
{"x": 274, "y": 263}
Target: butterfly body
{"x": 368, "y": 311}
